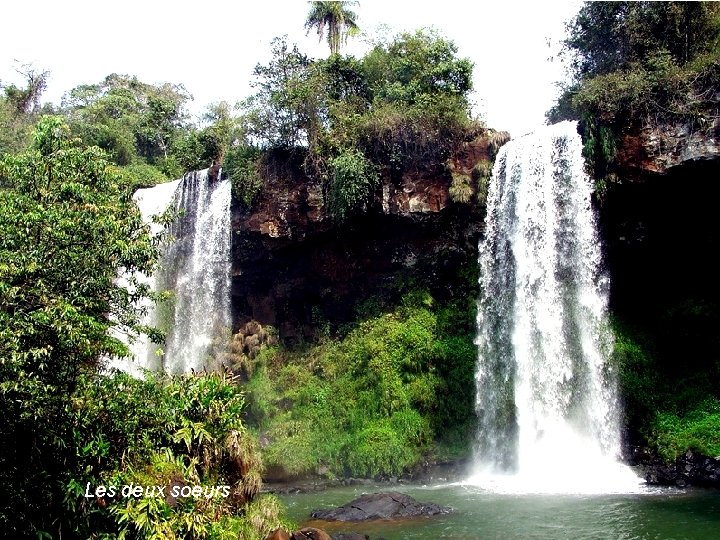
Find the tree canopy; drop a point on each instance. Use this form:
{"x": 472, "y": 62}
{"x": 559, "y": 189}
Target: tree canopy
{"x": 129, "y": 119}
{"x": 610, "y": 36}
{"x": 333, "y": 19}
{"x": 67, "y": 228}
{"x": 405, "y": 102}
{"x": 637, "y": 62}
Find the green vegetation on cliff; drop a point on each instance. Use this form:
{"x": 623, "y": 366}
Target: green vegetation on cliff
{"x": 637, "y": 64}
{"x": 354, "y": 120}
{"x": 375, "y": 402}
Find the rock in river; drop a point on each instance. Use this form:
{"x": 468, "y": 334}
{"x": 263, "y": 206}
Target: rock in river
{"x": 390, "y": 505}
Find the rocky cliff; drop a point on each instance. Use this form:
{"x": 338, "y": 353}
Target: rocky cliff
{"x": 297, "y": 269}
{"x": 659, "y": 216}
{"x": 660, "y": 225}
{"x": 660, "y": 148}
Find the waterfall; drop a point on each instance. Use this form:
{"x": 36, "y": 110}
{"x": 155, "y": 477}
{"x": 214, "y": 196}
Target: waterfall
{"x": 151, "y": 202}
{"x": 194, "y": 271}
{"x": 546, "y": 396}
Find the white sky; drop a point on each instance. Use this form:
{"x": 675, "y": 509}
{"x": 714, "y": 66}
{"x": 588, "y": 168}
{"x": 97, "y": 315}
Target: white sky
{"x": 212, "y": 46}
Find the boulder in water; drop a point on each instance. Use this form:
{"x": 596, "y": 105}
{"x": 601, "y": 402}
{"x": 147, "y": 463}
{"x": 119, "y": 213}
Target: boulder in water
{"x": 390, "y": 505}
{"x": 310, "y": 533}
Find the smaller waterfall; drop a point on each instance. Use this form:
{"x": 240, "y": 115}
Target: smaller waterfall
{"x": 194, "y": 270}
{"x": 143, "y": 353}
{"x": 546, "y": 396}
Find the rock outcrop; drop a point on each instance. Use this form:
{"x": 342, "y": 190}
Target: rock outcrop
{"x": 390, "y": 505}
{"x": 297, "y": 269}
{"x": 660, "y": 147}
{"x": 690, "y": 469}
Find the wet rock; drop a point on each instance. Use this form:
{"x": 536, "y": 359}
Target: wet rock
{"x": 390, "y": 505}
{"x": 656, "y": 148}
{"x": 279, "y": 534}
{"x": 350, "y": 536}
{"x": 310, "y": 533}
{"x": 294, "y": 265}
{"x": 690, "y": 469}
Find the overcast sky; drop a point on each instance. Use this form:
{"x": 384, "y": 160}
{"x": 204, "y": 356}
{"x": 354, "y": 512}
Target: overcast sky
{"x": 211, "y": 46}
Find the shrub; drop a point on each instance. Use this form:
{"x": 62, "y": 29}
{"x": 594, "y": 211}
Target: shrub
{"x": 353, "y": 184}
{"x": 161, "y": 431}
{"x": 379, "y": 450}
{"x": 460, "y": 189}
{"x": 142, "y": 175}
{"x": 372, "y": 402}
{"x": 698, "y": 430}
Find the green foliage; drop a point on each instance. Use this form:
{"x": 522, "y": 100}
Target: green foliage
{"x": 334, "y": 16}
{"x": 380, "y": 449}
{"x": 481, "y": 174}
{"x": 599, "y": 150}
{"x": 638, "y": 377}
{"x": 461, "y": 191}
{"x": 354, "y": 183}
{"x": 698, "y": 430}
{"x": 160, "y": 431}
{"x": 20, "y": 109}
{"x": 610, "y": 36}
{"x": 142, "y": 175}
{"x": 68, "y": 226}
{"x": 279, "y": 114}
{"x": 415, "y": 66}
{"x": 377, "y": 399}
{"x": 403, "y": 105}
{"x": 241, "y": 165}
{"x": 638, "y": 64}
{"x": 133, "y": 121}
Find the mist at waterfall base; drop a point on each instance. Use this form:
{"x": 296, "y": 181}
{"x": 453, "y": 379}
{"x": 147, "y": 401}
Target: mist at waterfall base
{"x": 546, "y": 395}
{"x": 194, "y": 268}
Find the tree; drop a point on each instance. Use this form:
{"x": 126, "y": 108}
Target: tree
{"x": 609, "y": 36}
{"x": 277, "y": 114}
{"x": 20, "y": 108}
{"x": 416, "y": 66}
{"x": 132, "y": 120}
{"x": 420, "y": 106}
{"x": 335, "y": 18}
{"x": 67, "y": 228}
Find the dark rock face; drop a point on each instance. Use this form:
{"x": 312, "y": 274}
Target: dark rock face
{"x": 390, "y": 505}
{"x": 661, "y": 235}
{"x": 293, "y": 267}
{"x": 690, "y": 469}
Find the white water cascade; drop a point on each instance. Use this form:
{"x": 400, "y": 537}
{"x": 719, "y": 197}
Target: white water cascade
{"x": 194, "y": 269}
{"x": 546, "y": 396}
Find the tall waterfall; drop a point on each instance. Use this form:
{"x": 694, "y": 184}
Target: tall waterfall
{"x": 546, "y": 396}
{"x": 194, "y": 270}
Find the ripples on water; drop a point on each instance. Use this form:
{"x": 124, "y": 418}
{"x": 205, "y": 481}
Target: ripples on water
{"x": 657, "y": 513}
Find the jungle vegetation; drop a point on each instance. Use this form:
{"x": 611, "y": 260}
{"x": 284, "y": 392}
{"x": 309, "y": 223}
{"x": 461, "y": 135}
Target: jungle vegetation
{"x": 381, "y": 393}
{"x": 68, "y": 227}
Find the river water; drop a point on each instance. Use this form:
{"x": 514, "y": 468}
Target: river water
{"x": 656, "y": 513}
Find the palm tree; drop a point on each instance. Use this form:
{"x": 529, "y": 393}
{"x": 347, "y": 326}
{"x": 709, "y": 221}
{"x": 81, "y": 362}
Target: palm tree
{"x": 336, "y": 17}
